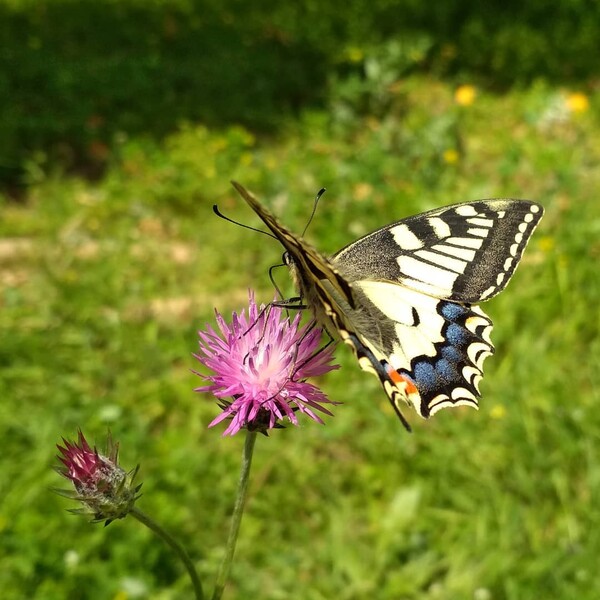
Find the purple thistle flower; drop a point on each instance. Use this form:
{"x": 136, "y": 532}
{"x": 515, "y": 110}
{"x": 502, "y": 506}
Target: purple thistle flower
{"x": 262, "y": 362}
{"x": 101, "y": 485}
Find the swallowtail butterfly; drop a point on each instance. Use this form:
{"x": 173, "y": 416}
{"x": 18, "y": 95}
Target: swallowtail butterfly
{"x": 403, "y": 296}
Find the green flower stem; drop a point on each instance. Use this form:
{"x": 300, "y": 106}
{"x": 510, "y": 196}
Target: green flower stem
{"x": 236, "y": 518}
{"x": 178, "y": 548}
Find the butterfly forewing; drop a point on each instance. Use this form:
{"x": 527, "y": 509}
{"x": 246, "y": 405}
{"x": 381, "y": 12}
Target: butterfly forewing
{"x": 401, "y": 296}
{"x": 466, "y": 253}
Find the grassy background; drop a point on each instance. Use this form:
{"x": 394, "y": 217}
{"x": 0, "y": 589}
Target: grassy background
{"x": 104, "y": 284}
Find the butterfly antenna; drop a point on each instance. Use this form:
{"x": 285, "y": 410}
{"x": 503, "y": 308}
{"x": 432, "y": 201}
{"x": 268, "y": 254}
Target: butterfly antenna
{"x": 314, "y": 210}
{"x": 220, "y": 214}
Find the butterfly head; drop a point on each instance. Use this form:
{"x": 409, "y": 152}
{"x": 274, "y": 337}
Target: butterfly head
{"x": 288, "y": 259}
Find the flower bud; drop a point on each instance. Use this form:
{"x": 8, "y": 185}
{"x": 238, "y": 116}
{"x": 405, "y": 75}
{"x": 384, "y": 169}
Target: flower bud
{"x": 104, "y": 489}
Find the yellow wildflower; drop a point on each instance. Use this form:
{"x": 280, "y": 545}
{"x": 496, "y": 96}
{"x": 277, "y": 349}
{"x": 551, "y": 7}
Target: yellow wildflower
{"x": 465, "y": 95}
{"x": 498, "y": 412}
{"x": 577, "y": 102}
{"x": 450, "y": 156}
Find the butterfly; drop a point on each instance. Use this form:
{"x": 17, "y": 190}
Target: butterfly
{"x": 403, "y": 297}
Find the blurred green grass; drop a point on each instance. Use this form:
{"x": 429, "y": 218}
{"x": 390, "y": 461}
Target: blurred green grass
{"x": 105, "y": 284}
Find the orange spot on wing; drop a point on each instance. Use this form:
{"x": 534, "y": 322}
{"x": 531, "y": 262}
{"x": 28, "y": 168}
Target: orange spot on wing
{"x": 398, "y": 378}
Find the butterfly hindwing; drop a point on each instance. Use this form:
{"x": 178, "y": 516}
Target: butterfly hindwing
{"x": 401, "y": 296}
{"x": 438, "y": 346}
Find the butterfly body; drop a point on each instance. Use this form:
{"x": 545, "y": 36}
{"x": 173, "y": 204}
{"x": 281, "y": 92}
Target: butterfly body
{"x": 402, "y": 296}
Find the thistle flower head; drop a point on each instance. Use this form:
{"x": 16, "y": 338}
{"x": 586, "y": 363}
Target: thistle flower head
{"x": 106, "y": 491}
{"x": 260, "y": 364}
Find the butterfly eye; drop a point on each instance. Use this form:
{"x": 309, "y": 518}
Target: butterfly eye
{"x": 287, "y": 259}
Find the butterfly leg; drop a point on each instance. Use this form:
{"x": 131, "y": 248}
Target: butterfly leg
{"x": 277, "y": 304}
{"x": 316, "y": 352}
{"x": 294, "y": 303}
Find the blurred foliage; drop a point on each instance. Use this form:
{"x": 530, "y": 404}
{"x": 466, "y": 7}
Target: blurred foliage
{"x": 77, "y": 77}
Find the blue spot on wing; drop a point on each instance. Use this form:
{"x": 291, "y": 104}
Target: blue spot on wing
{"x": 456, "y": 335}
{"x": 435, "y": 375}
{"x": 451, "y": 354}
{"x": 425, "y": 376}
{"x": 452, "y": 311}
{"x": 447, "y": 370}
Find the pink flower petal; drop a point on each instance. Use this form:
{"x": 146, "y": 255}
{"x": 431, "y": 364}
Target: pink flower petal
{"x": 262, "y": 362}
